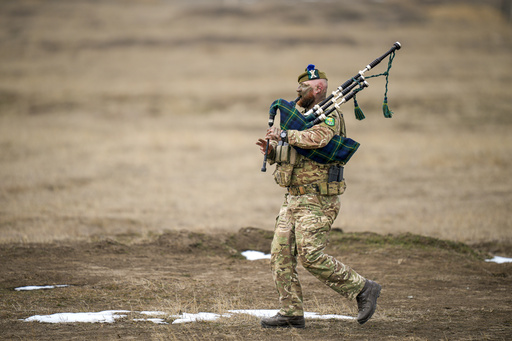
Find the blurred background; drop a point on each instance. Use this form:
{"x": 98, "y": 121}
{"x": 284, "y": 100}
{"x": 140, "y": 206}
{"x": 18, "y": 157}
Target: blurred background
{"x": 129, "y": 118}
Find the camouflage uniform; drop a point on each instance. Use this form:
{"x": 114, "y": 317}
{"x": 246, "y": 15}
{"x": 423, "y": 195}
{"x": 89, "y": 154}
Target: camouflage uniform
{"x": 302, "y": 227}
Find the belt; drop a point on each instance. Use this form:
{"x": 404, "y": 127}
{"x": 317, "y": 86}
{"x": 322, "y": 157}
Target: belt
{"x": 322, "y": 188}
{"x": 304, "y": 189}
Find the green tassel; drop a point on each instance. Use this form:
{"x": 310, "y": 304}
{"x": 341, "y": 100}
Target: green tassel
{"x": 387, "y": 113}
{"x": 357, "y": 111}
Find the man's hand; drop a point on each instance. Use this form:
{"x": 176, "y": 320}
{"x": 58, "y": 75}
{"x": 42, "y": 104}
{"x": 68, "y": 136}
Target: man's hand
{"x": 272, "y": 134}
{"x": 263, "y": 146}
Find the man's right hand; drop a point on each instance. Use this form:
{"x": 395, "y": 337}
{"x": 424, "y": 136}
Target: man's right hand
{"x": 263, "y": 146}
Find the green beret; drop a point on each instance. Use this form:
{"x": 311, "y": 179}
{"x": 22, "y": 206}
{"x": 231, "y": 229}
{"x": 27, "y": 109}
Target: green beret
{"x": 311, "y": 73}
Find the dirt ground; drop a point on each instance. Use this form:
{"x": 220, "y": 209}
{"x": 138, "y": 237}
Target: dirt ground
{"x": 129, "y": 171}
{"x": 432, "y": 289}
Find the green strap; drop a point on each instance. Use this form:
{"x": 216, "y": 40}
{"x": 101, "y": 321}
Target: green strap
{"x": 385, "y": 109}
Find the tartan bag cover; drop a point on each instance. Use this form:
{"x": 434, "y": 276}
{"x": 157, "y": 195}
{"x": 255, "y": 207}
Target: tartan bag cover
{"x": 339, "y": 149}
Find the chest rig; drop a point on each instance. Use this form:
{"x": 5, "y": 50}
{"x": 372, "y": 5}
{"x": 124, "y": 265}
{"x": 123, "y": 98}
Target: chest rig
{"x": 301, "y": 175}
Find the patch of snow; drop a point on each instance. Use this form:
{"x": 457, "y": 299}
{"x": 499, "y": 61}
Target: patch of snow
{"x": 107, "y": 316}
{"x": 260, "y": 313}
{"x": 255, "y": 255}
{"x": 256, "y": 312}
{"x": 39, "y": 287}
{"x": 154, "y": 320}
{"x": 499, "y": 260}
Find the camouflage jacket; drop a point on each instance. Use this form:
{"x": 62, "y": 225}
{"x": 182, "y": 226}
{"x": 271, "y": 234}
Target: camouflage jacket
{"x": 301, "y": 170}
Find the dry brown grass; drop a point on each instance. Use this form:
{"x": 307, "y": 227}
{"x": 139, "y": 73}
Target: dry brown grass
{"x": 138, "y": 118}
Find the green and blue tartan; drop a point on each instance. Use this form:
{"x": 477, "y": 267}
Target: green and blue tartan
{"x": 339, "y": 149}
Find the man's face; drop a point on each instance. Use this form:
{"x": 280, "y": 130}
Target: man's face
{"x": 307, "y": 95}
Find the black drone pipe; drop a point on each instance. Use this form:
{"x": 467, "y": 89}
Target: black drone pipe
{"x": 345, "y": 99}
{"x": 356, "y": 78}
{"x": 362, "y": 84}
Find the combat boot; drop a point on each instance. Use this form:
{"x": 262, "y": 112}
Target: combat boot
{"x": 280, "y": 321}
{"x": 367, "y": 301}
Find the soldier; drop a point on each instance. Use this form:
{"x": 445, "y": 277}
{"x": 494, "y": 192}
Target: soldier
{"x": 308, "y": 212}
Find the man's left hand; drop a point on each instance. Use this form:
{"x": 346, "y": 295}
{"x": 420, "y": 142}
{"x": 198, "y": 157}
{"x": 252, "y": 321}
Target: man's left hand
{"x": 273, "y": 134}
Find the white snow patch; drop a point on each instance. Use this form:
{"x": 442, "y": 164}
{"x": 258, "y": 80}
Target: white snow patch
{"x": 499, "y": 260}
{"x": 154, "y": 320}
{"x": 255, "y": 255}
{"x": 260, "y": 313}
{"x": 39, "y": 287}
{"x": 107, "y": 316}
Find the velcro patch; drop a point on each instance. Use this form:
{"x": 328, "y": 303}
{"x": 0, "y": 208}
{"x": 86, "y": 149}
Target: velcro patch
{"x": 329, "y": 121}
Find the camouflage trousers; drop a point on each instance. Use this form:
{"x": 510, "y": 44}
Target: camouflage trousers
{"x": 301, "y": 234}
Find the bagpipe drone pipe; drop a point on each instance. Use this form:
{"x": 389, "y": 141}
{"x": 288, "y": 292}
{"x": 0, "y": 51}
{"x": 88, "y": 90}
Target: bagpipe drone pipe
{"x": 339, "y": 148}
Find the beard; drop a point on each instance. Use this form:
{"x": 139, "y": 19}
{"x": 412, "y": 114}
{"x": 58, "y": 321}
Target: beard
{"x": 307, "y": 100}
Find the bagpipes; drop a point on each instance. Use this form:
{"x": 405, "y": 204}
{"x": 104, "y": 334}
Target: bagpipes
{"x": 339, "y": 148}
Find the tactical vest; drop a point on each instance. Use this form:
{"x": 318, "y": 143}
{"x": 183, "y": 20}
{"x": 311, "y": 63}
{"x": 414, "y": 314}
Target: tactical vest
{"x": 304, "y": 176}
